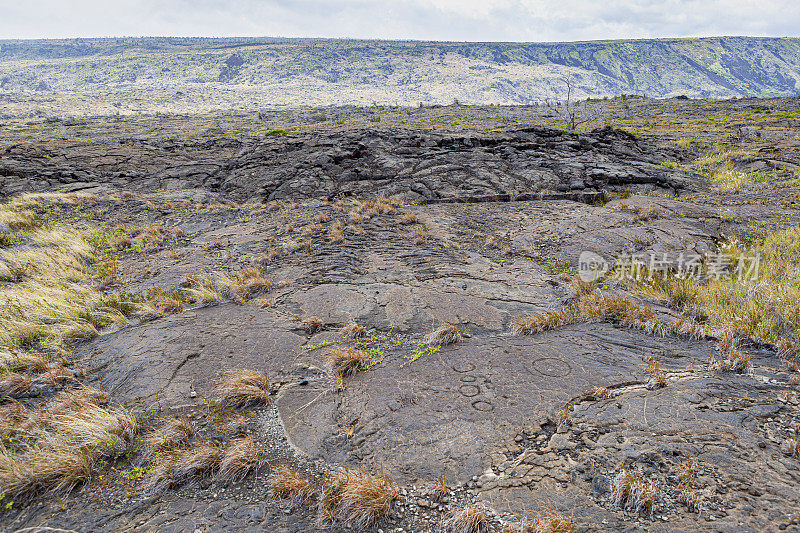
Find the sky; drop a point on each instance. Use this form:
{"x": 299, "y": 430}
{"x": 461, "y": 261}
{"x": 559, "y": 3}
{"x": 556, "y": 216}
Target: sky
{"x": 444, "y": 20}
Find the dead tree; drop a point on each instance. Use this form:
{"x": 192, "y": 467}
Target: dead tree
{"x": 572, "y": 113}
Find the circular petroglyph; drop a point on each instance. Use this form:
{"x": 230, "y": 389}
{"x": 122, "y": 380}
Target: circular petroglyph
{"x": 463, "y": 367}
{"x": 469, "y": 390}
{"x": 468, "y": 379}
{"x": 551, "y": 367}
{"x": 481, "y": 405}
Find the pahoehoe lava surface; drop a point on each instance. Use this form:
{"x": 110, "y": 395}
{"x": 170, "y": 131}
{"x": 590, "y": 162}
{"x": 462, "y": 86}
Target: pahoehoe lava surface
{"x": 515, "y": 423}
{"x": 413, "y": 165}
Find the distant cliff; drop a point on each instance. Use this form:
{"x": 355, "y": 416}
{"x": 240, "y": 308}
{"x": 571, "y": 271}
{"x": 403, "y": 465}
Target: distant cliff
{"x": 309, "y": 71}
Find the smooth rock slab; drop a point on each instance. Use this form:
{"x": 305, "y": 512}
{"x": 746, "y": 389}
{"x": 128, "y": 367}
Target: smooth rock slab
{"x": 164, "y": 358}
{"x": 445, "y": 413}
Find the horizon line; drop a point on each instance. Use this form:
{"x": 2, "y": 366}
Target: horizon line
{"x": 388, "y": 40}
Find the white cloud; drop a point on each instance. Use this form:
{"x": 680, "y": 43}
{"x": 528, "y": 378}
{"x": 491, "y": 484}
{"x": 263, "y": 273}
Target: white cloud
{"x": 465, "y": 20}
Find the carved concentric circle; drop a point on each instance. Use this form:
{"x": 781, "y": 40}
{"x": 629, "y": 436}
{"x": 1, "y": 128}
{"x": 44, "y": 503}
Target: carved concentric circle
{"x": 482, "y": 405}
{"x": 463, "y": 367}
{"x": 469, "y": 390}
{"x": 551, "y": 367}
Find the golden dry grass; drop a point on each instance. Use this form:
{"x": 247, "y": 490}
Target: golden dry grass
{"x": 62, "y": 443}
{"x": 447, "y": 333}
{"x": 766, "y": 309}
{"x": 288, "y": 484}
{"x": 419, "y": 236}
{"x": 549, "y": 521}
{"x": 49, "y": 298}
{"x": 467, "y": 520}
{"x": 719, "y": 166}
{"x": 601, "y": 393}
{"x": 202, "y": 290}
{"x": 246, "y": 284}
{"x": 161, "y": 302}
{"x": 175, "y": 432}
{"x": 533, "y": 324}
{"x": 730, "y": 360}
{"x": 629, "y": 491}
{"x": 588, "y": 308}
{"x": 658, "y": 378}
{"x": 353, "y": 330}
{"x": 356, "y": 497}
{"x": 436, "y": 490}
{"x": 312, "y": 324}
{"x": 200, "y": 460}
{"x": 15, "y": 219}
{"x": 240, "y": 388}
{"x": 241, "y": 456}
{"x": 14, "y": 384}
{"x": 410, "y": 218}
{"x": 366, "y": 208}
{"x": 348, "y": 361}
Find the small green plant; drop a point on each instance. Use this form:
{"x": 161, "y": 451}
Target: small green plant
{"x": 276, "y": 133}
{"x": 423, "y": 348}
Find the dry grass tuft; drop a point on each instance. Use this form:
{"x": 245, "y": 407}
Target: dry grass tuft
{"x": 631, "y": 493}
{"x": 730, "y": 360}
{"x": 532, "y": 324}
{"x": 550, "y": 521}
{"x": 202, "y": 290}
{"x": 353, "y": 330}
{"x": 246, "y": 284}
{"x": 356, "y": 497}
{"x": 436, "y": 490}
{"x": 419, "y": 236}
{"x": 240, "y": 388}
{"x": 287, "y": 484}
{"x": 62, "y": 443}
{"x": 447, "y": 333}
{"x": 467, "y": 520}
{"x": 161, "y": 302}
{"x": 199, "y": 461}
{"x": 312, "y": 324}
{"x": 791, "y": 444}
{"x": 49, "y": 299}
{"x": 349, "y": 361}
{"x": 601, "y": 393}
{"x": 240, "y": 457}
{"x": 589, "y": 308}
{"x": 766, "y": 309}
{"x": 410, "y": 218}
{"x": 174, "y": 433}
{"x": 14, "y": 384}
{"x": 149, "y": 239}
{"x": 615, "y": 308}
{"x": 691, "y": 498}
{"x": 582, "y": 288}
{"x": 366, "y": 208}
{"x": 658, "y": 378}
{"x": 336, "y": 236}
{"x": 16, "y": 219}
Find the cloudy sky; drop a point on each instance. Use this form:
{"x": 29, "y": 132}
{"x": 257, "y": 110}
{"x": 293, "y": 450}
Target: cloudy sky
{"x": 453, "y": 20}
